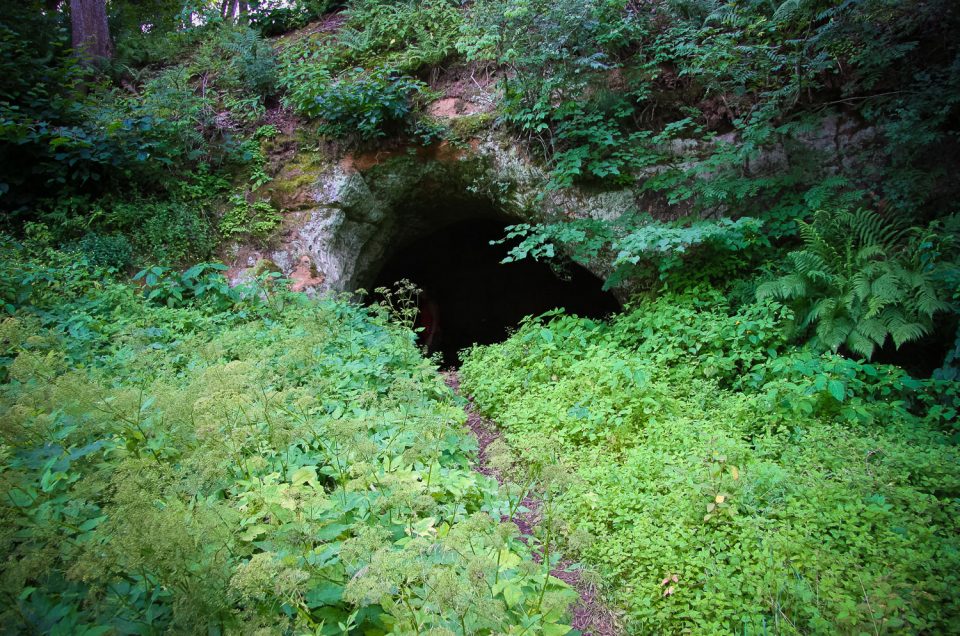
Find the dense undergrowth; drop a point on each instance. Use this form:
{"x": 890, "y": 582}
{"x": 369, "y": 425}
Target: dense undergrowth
{"x": 145, "y": 157}
{"x": 179, "y": 454}
{"x": 238, "y": 462}
{"x": 730, "y": 483}
{"x": 737, "y": 122}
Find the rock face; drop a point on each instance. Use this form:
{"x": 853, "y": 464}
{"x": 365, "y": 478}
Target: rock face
{"x": 345, "y": 215}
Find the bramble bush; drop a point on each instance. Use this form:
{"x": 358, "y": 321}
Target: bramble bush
{"x": 731, "y": 482}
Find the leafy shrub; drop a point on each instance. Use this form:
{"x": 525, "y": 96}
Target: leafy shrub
{"x": 39, "y": 80}
{"x": 859, "y": 280}
{"x": 107, "y": 251}
{"x": 731, "y": 106}
{"x": 359, "y": 80}
{"x": 168, "y": 232}
{"x": 732, "y": 484}
{"x": 405, "y": 35}
{"x": 90, "y": 141}
{"x": 363, "y": 105}
{"x": 304, "y": 64}
{"x": 275, "y": 17}
{"x": 203, "y": 282}
{"x": 297, "y": 466}
{"x": 641, "y": 247}
{"x": 558, "y": 55}
{"x": 238, "y": 58}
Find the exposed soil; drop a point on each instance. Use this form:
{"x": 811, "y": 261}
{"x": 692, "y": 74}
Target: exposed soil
{"x": 305, "y": 275}
{"x": 450, "y": 107}
{"x": 328, "y": 23}
{"x": 590, "y": 615}
{"x": 466, "y": 89}
{"x": 285, "y": 120}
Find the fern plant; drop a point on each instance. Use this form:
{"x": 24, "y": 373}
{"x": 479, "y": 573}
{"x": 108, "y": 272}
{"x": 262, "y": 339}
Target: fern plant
{"x": 860, "y": 279}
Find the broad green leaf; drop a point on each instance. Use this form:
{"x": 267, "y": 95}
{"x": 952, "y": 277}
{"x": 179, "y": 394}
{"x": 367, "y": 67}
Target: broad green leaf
{"x": 837, "y": 390}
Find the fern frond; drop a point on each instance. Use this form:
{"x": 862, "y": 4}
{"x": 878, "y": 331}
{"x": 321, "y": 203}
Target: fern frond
{"x": 889, "y": 288}
{"x": 927, "y": 302}
{"x": 727, "y": 16}
{"x": 823, "y": 309}
{"x": 818, "y": 244}
{"x": 870, "y": 252}
{"x": 787, "y": 287}
{"x": 855, "y": 283}
{"x": 811, "y": 265}
{"x": 874, "y": 329}
{"x": 861, "y": 285}
{"x": 833, "y": 332}
{"x": 860, "y": 344}
{"x": 786, "y": 10}
{"x": 874, "y": 305}
{"x": 902, "y": 329}
{"x": 872, "y": 229}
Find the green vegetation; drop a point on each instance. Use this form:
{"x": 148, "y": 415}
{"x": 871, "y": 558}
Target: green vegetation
{"x": 358, "y": 82}
{"x": 643, "y": 248}
{"x": 366, "y": 105}
{"x": 152, "y": 151}
{"x": 205, "y": 459}
{"x": 732, "y": 483}
{"x": 860, "y": 281}
{"x": 607, "y": 88}
{"x": 765, "y": 441}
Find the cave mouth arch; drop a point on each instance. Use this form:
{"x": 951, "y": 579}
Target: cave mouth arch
{"x": 470, "y": 297}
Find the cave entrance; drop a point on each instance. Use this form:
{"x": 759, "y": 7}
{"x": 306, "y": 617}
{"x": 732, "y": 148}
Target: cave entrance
{"x": 470, "y": 297}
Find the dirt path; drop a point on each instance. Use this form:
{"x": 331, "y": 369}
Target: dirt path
{"x": 590, "y": 616}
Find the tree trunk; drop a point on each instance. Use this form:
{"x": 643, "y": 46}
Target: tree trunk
{"x": 233, "y": 9}
{"x": 91, "y": 35}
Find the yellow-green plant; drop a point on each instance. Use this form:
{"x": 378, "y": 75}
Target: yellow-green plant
{"x": 193, "y": 468}
{"x": 732, "y": 483}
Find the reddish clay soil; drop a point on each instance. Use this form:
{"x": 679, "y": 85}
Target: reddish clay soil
{"x": 590, "y": 615}
{"x": 304, "y": 275}
{"x": 285, "y": 120}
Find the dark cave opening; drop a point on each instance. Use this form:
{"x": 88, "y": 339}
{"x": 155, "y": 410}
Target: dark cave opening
{"x": 470, "y": 297}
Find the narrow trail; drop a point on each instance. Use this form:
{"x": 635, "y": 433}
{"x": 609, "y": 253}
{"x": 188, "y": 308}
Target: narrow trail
{"x": 590, "y": 616}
